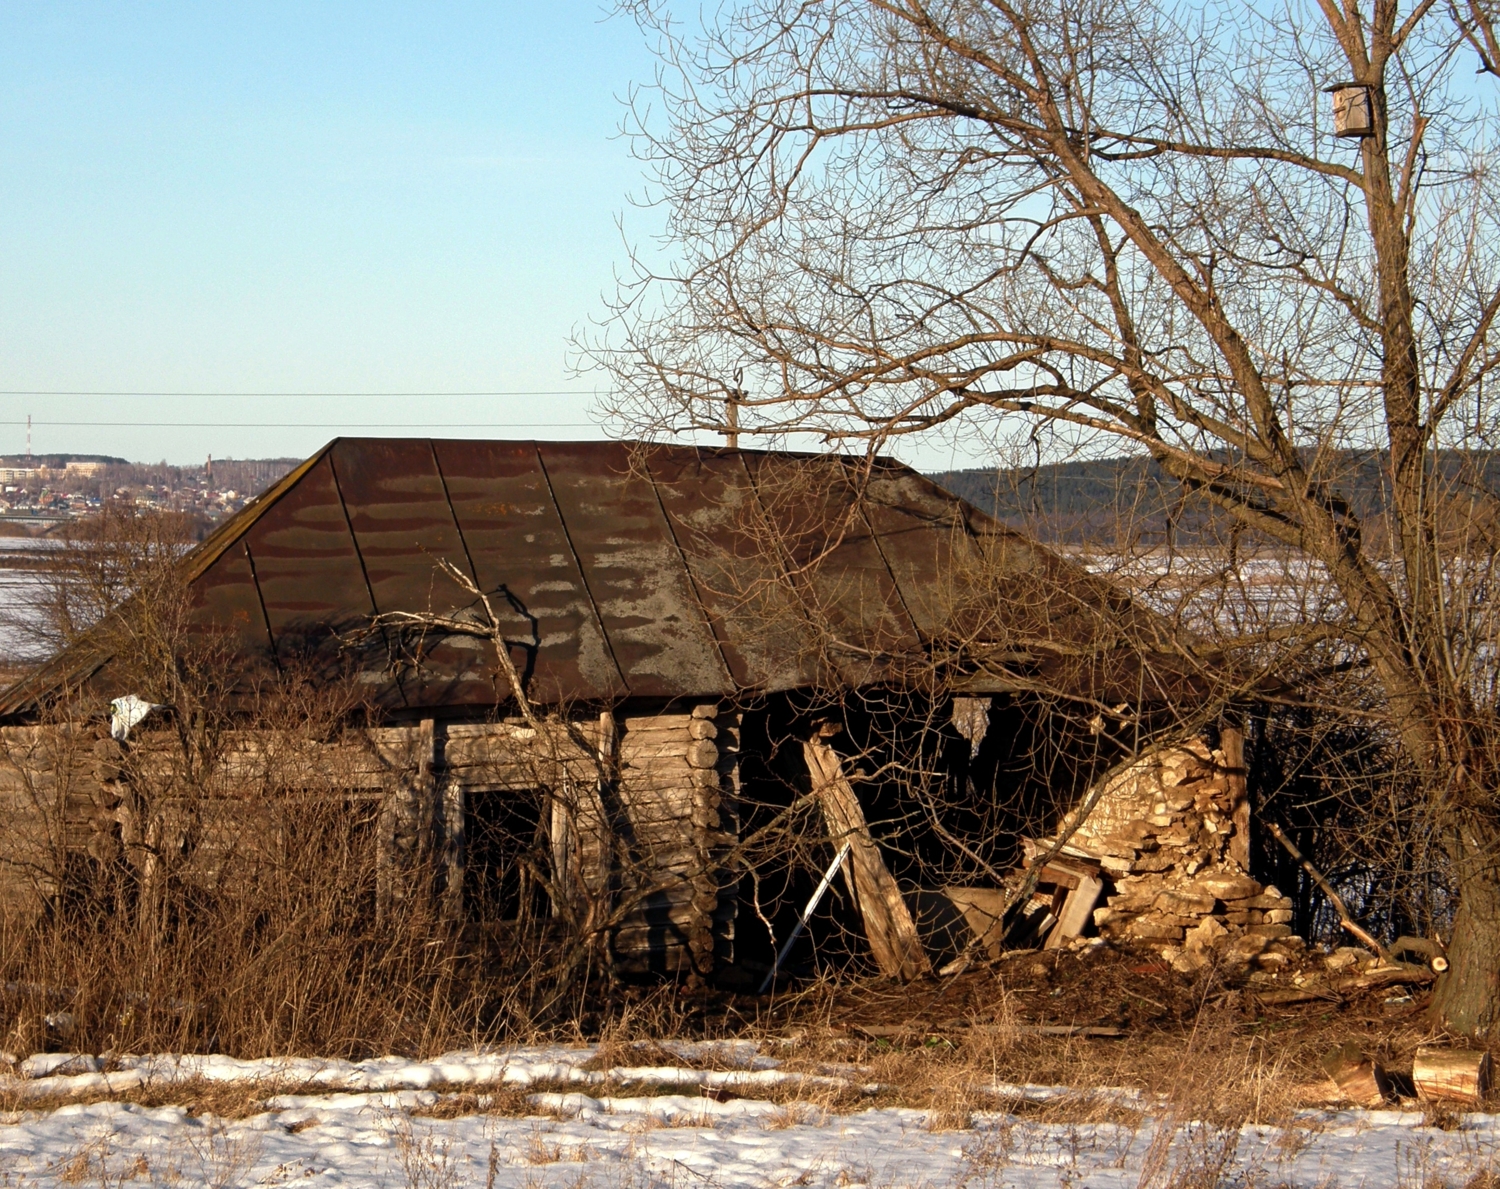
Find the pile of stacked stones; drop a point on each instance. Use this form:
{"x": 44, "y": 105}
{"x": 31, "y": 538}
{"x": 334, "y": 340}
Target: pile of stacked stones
{"x": 1166, "y": 834}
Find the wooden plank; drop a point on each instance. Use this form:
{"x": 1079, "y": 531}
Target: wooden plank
{"x": 888, "y": 924}
{"x": 1077, "y": 910}
{"x": 1232, "y": 743}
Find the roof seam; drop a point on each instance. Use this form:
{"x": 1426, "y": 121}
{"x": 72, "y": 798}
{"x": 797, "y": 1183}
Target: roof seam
{"x": 338, "y": 490}
{"x": 911, "y": 620}
{"x": 583, "y": 577}
{"x": 792, "y": 579}
{"x": 260, "y": 599}
{"x": 463, "y": 541}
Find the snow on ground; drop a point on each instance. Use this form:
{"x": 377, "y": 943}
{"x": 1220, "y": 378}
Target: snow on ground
{"x": 329, "y": 1135}
{"x": 52, "y": 1074}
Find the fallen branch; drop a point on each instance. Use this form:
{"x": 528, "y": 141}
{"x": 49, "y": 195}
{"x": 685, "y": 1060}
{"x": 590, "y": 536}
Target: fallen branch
{"x": 1348, "y": 922}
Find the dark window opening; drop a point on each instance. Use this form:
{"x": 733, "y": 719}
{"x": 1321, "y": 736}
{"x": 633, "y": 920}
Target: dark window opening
{"x": 508, "y": 857}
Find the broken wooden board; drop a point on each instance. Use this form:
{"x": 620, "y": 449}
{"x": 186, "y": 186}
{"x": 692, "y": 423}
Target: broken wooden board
{"x": 1077, "y": 911}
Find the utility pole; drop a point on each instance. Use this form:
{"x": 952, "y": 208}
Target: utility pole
{"x": 732, "y": 421}
{"x": 28, "y": 439}
{"x": 732, "y": 397}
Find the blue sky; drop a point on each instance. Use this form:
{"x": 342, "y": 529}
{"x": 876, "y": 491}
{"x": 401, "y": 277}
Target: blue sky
{"x": 308, "y": 198}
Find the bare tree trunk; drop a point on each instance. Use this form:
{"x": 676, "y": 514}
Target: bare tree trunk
{"x": 1467, "y": 997}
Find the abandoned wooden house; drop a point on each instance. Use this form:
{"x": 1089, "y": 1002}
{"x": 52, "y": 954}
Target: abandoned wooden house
{"x": 721, "y": 669}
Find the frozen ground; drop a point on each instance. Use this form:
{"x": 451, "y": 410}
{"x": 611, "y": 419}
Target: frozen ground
{"x": 610, "y": 1138}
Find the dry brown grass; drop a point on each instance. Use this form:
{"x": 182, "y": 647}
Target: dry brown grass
{"x": 1208, "y": 1042}
{"x": 1206, "y": 1053}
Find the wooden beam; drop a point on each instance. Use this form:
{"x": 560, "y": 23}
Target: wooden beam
{"x": 1232, "y": 743}
{"x": 406, "y": 825}
{"x": 888, "y": 925}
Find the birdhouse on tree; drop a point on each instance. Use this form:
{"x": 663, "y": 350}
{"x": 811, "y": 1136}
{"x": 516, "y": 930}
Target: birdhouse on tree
{"x": 1353, "y": 116}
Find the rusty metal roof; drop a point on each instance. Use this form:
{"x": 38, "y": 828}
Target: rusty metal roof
{"x": 630, "y": 570}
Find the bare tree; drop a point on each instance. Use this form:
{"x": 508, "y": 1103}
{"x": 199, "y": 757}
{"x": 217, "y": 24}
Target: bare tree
{"x": 1066, "y": 221}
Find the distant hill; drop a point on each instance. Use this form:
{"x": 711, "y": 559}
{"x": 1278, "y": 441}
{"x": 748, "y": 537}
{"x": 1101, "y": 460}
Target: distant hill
{"x": 1108, "y": 500}
{"x": 56, "y": 462}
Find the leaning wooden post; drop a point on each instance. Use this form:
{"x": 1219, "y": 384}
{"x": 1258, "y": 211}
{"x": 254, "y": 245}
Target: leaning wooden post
{"x": 888, "y": 925}
{"x": 452, "y": 805}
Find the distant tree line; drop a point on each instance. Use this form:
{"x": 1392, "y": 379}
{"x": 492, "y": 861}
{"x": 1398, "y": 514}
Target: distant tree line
{"x": 1130, "y": 500}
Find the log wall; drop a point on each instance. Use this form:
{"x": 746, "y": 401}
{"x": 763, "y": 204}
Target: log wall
{"x": 677, "y": 779}
{"x": 638, "y": 811}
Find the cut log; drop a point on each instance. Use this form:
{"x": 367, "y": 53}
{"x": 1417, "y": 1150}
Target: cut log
{"x": 888, "y": 924}
{"x": 1359, "y": 1079}
{"x": 1452, "y": 1075}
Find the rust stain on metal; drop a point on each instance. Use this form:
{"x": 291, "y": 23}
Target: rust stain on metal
{"x": 627, "y": 570}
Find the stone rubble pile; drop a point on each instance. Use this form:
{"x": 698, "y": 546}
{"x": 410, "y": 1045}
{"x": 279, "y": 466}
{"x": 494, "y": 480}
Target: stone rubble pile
{"x": 1170, "y": 835}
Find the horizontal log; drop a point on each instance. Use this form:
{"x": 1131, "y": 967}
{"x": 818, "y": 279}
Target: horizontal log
{"x": 644, "y": 753}
{"x": 657, "y": 721}
{"x": 653, "y": 735}
{"x": 670, "y": 961}
{"x": 660, "y": 775}
{"x": 637, "y": 936}
{"x": 657, "y": 802}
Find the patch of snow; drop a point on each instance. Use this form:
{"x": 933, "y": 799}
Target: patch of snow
{"x": 41, "y": 1065}
{"x": 370, "y": 1140}
{"x": 367, "y": 1125}
{"x": 72, "y": 1074}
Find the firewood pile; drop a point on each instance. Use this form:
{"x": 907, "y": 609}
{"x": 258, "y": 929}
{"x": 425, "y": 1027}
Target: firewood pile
{"x": 1171, "y": 837}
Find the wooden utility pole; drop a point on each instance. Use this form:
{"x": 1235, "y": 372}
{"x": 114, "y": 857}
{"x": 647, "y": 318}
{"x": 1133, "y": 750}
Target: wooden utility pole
{"x": 732, "y": 398}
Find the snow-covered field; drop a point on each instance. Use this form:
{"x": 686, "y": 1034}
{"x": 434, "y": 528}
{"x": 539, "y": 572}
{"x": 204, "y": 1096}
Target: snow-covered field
{"x": 383, "y": 1123}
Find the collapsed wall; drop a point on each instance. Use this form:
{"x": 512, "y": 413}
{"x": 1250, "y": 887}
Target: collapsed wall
{"x": 1171, "y": 835}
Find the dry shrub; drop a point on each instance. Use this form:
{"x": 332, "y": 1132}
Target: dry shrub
{"x": 424, "y": 1161}
{"x": 253, "y": 932}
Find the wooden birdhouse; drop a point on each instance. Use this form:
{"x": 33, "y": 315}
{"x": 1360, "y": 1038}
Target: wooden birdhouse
{"x": 1352, "y": 113}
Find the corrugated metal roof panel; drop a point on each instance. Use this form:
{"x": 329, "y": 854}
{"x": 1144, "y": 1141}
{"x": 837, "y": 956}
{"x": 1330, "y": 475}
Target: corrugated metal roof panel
{"x": 624, "y": 570}
{"x": 657, "y": 629}
{"x": 311, "y": 579}
{"x": 718, "y": 522}
{"x": 520, "y": 549}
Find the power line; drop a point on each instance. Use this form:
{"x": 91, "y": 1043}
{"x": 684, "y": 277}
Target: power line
{"x": 316, "y": 424}
{"x": 497, "y": 392}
